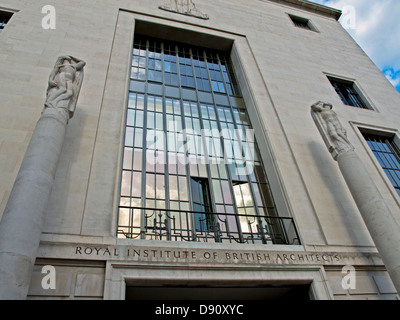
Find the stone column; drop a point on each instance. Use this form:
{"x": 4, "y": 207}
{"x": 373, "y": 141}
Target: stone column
{"x": 382, "y": 226}
{"x": 21, "y": 224}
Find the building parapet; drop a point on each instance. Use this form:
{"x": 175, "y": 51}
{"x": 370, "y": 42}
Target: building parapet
{"x": 311, "y": 7}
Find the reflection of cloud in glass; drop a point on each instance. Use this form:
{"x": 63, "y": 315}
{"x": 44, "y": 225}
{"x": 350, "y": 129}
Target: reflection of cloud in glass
{"x": 126, "y": 183}
{"x": 173, "y": 188}
{"x": 243, "y": 195}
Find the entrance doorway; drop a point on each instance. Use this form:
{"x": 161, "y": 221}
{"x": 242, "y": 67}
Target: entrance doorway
{"x": 158, "y": 292}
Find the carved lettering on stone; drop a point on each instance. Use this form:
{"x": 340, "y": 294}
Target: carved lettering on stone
{"x": 186, "y": 7}
{"x": 65, "y": 82}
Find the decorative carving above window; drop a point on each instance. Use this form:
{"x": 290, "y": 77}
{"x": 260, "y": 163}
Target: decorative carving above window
{"x": 186, "y": 7}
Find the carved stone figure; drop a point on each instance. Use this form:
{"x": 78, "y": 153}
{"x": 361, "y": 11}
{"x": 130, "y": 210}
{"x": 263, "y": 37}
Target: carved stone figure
{"x": 65, "y": 82}
{"x": 186, "y": 7}
{"x": 332, "y": 131}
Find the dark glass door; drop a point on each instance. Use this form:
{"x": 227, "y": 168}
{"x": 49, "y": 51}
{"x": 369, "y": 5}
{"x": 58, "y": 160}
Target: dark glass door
{"x": 201, "y": 204}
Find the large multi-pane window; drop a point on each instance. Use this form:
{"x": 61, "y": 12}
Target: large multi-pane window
{"x": 191, "y": 166}
{"x": 387, "y": 153}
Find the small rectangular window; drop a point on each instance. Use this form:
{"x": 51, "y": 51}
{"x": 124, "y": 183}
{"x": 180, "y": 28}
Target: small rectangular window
{"x": 349, "y": 93}
{"x": 4, "y": 18}
{"x": 387, "y": 153}
{"x": 302, "y": 23}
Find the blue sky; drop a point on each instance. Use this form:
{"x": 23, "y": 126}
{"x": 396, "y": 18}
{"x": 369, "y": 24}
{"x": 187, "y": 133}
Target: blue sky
{"x": 376, "y": 28}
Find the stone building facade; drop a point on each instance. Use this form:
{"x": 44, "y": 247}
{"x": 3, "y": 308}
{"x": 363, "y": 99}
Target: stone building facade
{"x": 115, "y": 228}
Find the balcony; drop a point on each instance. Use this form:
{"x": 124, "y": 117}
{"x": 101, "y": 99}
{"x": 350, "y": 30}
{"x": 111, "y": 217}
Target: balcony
{"x": 194, "y": 226}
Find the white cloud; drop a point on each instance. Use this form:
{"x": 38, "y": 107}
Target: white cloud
{"x": 370, "y": 21}
{"x": 377, "y": 31}
{"x": 393, "y": 77}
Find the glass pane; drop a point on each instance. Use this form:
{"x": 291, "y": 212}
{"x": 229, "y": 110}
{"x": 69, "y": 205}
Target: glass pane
{"x": 150, "y": 186}
{"x": 202, "y": 170}
{"x": 169, "y": 106}
{"x": 183, "y": 191}
{"x": 150, "y": 120}
{"x": 214, "y": 171}
{"x": 395, "y": 178}
{"x": 222, "y": 170}
{"x": 129, "y": 137}
{"x": 139, "y": 118}
{"x": 257, "y": 195}
{"x": 217, "y": 191}
{"x": 130, "y": 117}
{"x": 158, "y": 104}
{"x": 150, "y": 103}
{"x": 244, "y": 225}
{"x": 170, "y": 123}
{"x": 132, "y": 100}
{"x": 150, "y": 139}
{"x": 395, "y": 161}
{"x": 136, "y": 184}
{"x": 159, "y": 140}
{"x": 238, "y": 196}
{"x": 124, "y": 221}
{"x": 137, "y": 159}
{"x": 141, "y": 74}
{"x": 172, "y": 163}
{"x": 126, "y": 183}
{"x": 160, "y": 204}
{"x": 226, "y": 191}
{"x": 247, "y": 198}
{"x": 173, "y": 188}
{"x": 140, "y": 102}
{"x": 138, "y": 138}
{"x": 127, "y": 159}
{"x": 160, "y": 161}
{"x": 159, "y": 121}
{"x": 181, "y": 164}
{"x": 150, "y": 160}
{"x": 195, "y": 191}
{"x": 160, "y": 186}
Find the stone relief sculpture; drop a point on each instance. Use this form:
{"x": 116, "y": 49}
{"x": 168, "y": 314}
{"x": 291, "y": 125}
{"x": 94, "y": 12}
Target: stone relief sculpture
{"x": 186, "y": 7}
{"x": 65, "y": 82}
{"x": 332, "y": 131}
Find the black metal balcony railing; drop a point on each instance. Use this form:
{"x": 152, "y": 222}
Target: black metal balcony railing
{"x": 183, "y": 225}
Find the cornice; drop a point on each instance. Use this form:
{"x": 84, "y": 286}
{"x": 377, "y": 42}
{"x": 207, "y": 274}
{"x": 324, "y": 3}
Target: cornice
{"x": 311, "y": 7}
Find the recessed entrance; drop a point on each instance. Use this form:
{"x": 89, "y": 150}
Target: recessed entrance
{"x": 294, "y": 292}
